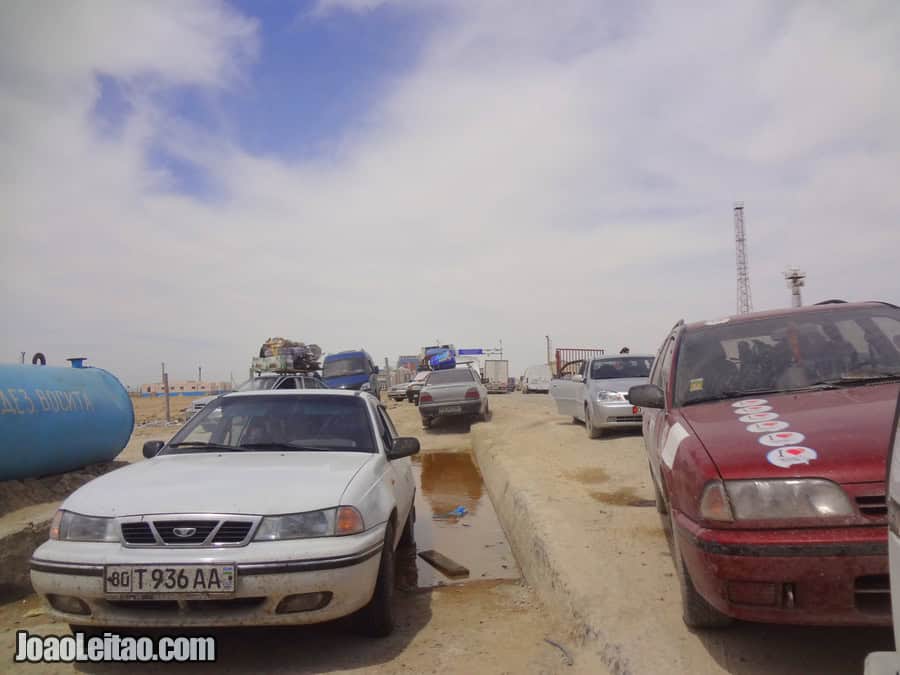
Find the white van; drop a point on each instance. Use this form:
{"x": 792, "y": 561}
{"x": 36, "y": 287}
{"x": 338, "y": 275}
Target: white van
{"x": 888, "y": 663}
{"x": 536, "y": 378}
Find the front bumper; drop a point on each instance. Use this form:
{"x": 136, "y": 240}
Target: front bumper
{"x": 835, "y": 576}
{"x": 445, "y": 409}
{"x": 266, "y": 573}
{"x": 615, "y": 415}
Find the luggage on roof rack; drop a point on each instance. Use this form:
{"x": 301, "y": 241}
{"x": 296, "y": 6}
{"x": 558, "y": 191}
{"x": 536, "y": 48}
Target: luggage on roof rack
{"x": 281, "y": 355}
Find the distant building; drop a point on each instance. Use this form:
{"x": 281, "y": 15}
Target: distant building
{"x": 186, "y": 388}
{"x": 408, "y": 362}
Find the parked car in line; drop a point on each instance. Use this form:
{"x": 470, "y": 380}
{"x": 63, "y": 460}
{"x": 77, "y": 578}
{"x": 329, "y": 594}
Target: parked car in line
{"x": 888, "y": 663}
{"x": 268, "y": 508}
{"x": 453, "y": 393}
{"x": 415, "y": 386}
{"x": 265, "y": 381}
{"x": 767, "y": 436}
{"x": 536, "y": 379}
{"x": 397, "y": 392}
{"x": 595, "y": 391}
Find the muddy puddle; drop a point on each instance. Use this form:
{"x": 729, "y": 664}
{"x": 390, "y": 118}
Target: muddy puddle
{"x": 445, "y": 482}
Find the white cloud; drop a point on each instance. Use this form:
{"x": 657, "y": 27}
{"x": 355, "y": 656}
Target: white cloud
{"x": 563, "y": 169}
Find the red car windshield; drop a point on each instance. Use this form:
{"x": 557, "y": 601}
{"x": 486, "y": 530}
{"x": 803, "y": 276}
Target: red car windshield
{"x": 785, "y": 353}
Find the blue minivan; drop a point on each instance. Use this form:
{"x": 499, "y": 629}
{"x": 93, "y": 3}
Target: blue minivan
{"x": 353, "y": 369}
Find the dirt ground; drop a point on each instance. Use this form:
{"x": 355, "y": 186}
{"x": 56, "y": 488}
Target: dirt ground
{"x": 488, "y": 623}
{"x": 601, "y": 550}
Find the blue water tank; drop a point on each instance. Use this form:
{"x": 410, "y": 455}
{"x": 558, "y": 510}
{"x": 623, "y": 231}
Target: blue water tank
{"x": 55, "y": 419}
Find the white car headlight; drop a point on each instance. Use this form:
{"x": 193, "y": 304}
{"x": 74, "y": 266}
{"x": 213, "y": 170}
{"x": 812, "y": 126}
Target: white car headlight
{"x": 326, "y": 523}
{"x": 69, "y": 526}
{"x": 603, "y": 395}
{"x": 783, "y": 499}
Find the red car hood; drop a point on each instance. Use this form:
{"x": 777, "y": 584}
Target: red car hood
{"x": 848, "y": 430}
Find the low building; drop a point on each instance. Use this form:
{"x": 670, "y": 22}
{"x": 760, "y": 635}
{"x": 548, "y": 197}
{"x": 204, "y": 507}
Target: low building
{"x": 186, "y": 388}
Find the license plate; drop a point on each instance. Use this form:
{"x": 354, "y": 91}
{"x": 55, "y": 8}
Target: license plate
{"x": 450, "y": 409}
{"x": 169, "y": 578}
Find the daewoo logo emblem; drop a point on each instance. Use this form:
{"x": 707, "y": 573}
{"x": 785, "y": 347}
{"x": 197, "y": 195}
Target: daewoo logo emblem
{"x": 184, "y": 532}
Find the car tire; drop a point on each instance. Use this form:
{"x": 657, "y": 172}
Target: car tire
{"x": 376, "y": 619}
{"x": 485, "y": 416}
{"x": 592, "y": 431}
{"x": 408, "y": 538}
{"x": 695, "y": 610}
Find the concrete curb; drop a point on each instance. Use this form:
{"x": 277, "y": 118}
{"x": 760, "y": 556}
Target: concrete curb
{"x": 527, "y": 530}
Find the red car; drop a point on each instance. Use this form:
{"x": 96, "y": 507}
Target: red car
{"x": 767, "y": 436}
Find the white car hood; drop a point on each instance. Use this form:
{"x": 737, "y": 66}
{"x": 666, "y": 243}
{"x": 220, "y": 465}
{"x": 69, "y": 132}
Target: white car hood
{"x": 231, "y": 482}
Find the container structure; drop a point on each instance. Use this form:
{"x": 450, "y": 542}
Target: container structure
{"x": 55, "y": 419}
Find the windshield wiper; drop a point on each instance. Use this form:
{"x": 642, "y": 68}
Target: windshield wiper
{"x": 281, "y": 446}
{"x": 743, "y": 393}
{"x": 201, "y": 444}
{"x": 865, "y": 378}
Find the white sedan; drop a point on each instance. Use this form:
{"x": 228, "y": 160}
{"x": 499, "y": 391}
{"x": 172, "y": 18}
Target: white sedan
{"x": 267, "y": 508}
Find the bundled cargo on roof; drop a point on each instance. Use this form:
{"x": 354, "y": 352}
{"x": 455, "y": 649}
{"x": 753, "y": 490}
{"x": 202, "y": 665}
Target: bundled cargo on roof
{"x": 280, "y": 354}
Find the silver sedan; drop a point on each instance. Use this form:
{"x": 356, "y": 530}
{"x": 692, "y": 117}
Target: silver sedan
{"x": 595, "y": 391}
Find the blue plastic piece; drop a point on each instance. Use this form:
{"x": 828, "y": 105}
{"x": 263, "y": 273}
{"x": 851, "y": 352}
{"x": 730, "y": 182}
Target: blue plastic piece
{"x": 55, "y": 419}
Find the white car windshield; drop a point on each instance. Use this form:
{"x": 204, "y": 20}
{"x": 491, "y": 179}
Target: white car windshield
{"x": 258, "y": 423}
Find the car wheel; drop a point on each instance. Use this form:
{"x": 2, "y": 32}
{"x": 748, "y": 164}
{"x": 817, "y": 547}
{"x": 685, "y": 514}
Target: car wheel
{"x": 376, "y": 619}
{"x": 592, "y": 431}
{"x": 408, "y": 538}
{"x": 695, "y": 610}
{"x": 485, "y": 416}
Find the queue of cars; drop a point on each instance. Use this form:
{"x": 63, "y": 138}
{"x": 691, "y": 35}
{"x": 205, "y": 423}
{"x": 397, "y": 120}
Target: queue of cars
{"x": 767, "y": 436}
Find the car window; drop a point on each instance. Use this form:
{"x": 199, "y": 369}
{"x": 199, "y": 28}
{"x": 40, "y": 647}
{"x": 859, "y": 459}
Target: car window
{"x": 315, "y": 421}
{"x": 288, "y": 383}
{"x": 386, "y": 428}
{"x": 791, "y": 351}
{"x": 346, "y": 365}
{"x": 660, "y": 374}
{"x": 452, "y": 376}
{"x": 609, "y": 369}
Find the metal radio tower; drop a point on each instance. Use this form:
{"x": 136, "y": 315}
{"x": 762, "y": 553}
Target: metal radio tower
{"x": 744, "y": 301}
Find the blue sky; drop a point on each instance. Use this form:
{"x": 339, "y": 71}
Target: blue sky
{"x": 183, "y": 180}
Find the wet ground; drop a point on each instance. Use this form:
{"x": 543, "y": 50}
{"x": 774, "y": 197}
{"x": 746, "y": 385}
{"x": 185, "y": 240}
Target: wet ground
{"x": 447, "y": 481}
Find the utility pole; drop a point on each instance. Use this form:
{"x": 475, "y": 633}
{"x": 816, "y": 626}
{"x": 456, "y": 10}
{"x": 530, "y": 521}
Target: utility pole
{"x": 549, "y": 362}
{"x": 795, "y": 281}
{"x": 744, "y": 301}
{"x": 199, "y": 373}
{"x": 165, "y": 384}
{"x": 501, "y": 350}
{"x": 23, "y": 357}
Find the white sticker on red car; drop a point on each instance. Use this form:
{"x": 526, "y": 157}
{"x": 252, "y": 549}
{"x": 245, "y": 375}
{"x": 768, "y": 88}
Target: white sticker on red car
{"x": 758, "y": 417}
{"x": 782, "y": 438}
{"x": 764, "y": 427}
{"x": 750, "y": 409}
{"x": 749, "y": 402}
{"x": 675, "y": 435}
{"x": 788, "y": 456}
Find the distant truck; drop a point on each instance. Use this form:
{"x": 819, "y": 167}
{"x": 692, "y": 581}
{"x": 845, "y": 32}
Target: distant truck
{"x": 566, "y": 355}
{"x": 496, "y": 376}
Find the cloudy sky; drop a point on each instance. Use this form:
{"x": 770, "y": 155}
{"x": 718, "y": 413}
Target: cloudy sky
{"x": 181, "y": 180}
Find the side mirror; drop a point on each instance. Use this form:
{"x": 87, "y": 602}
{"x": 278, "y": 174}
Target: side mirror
{"x": 647, "y": 396}
{"x": 403, "y": 447}
{"x": 375, "y": 370}
{"x": 152, "y": 448}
